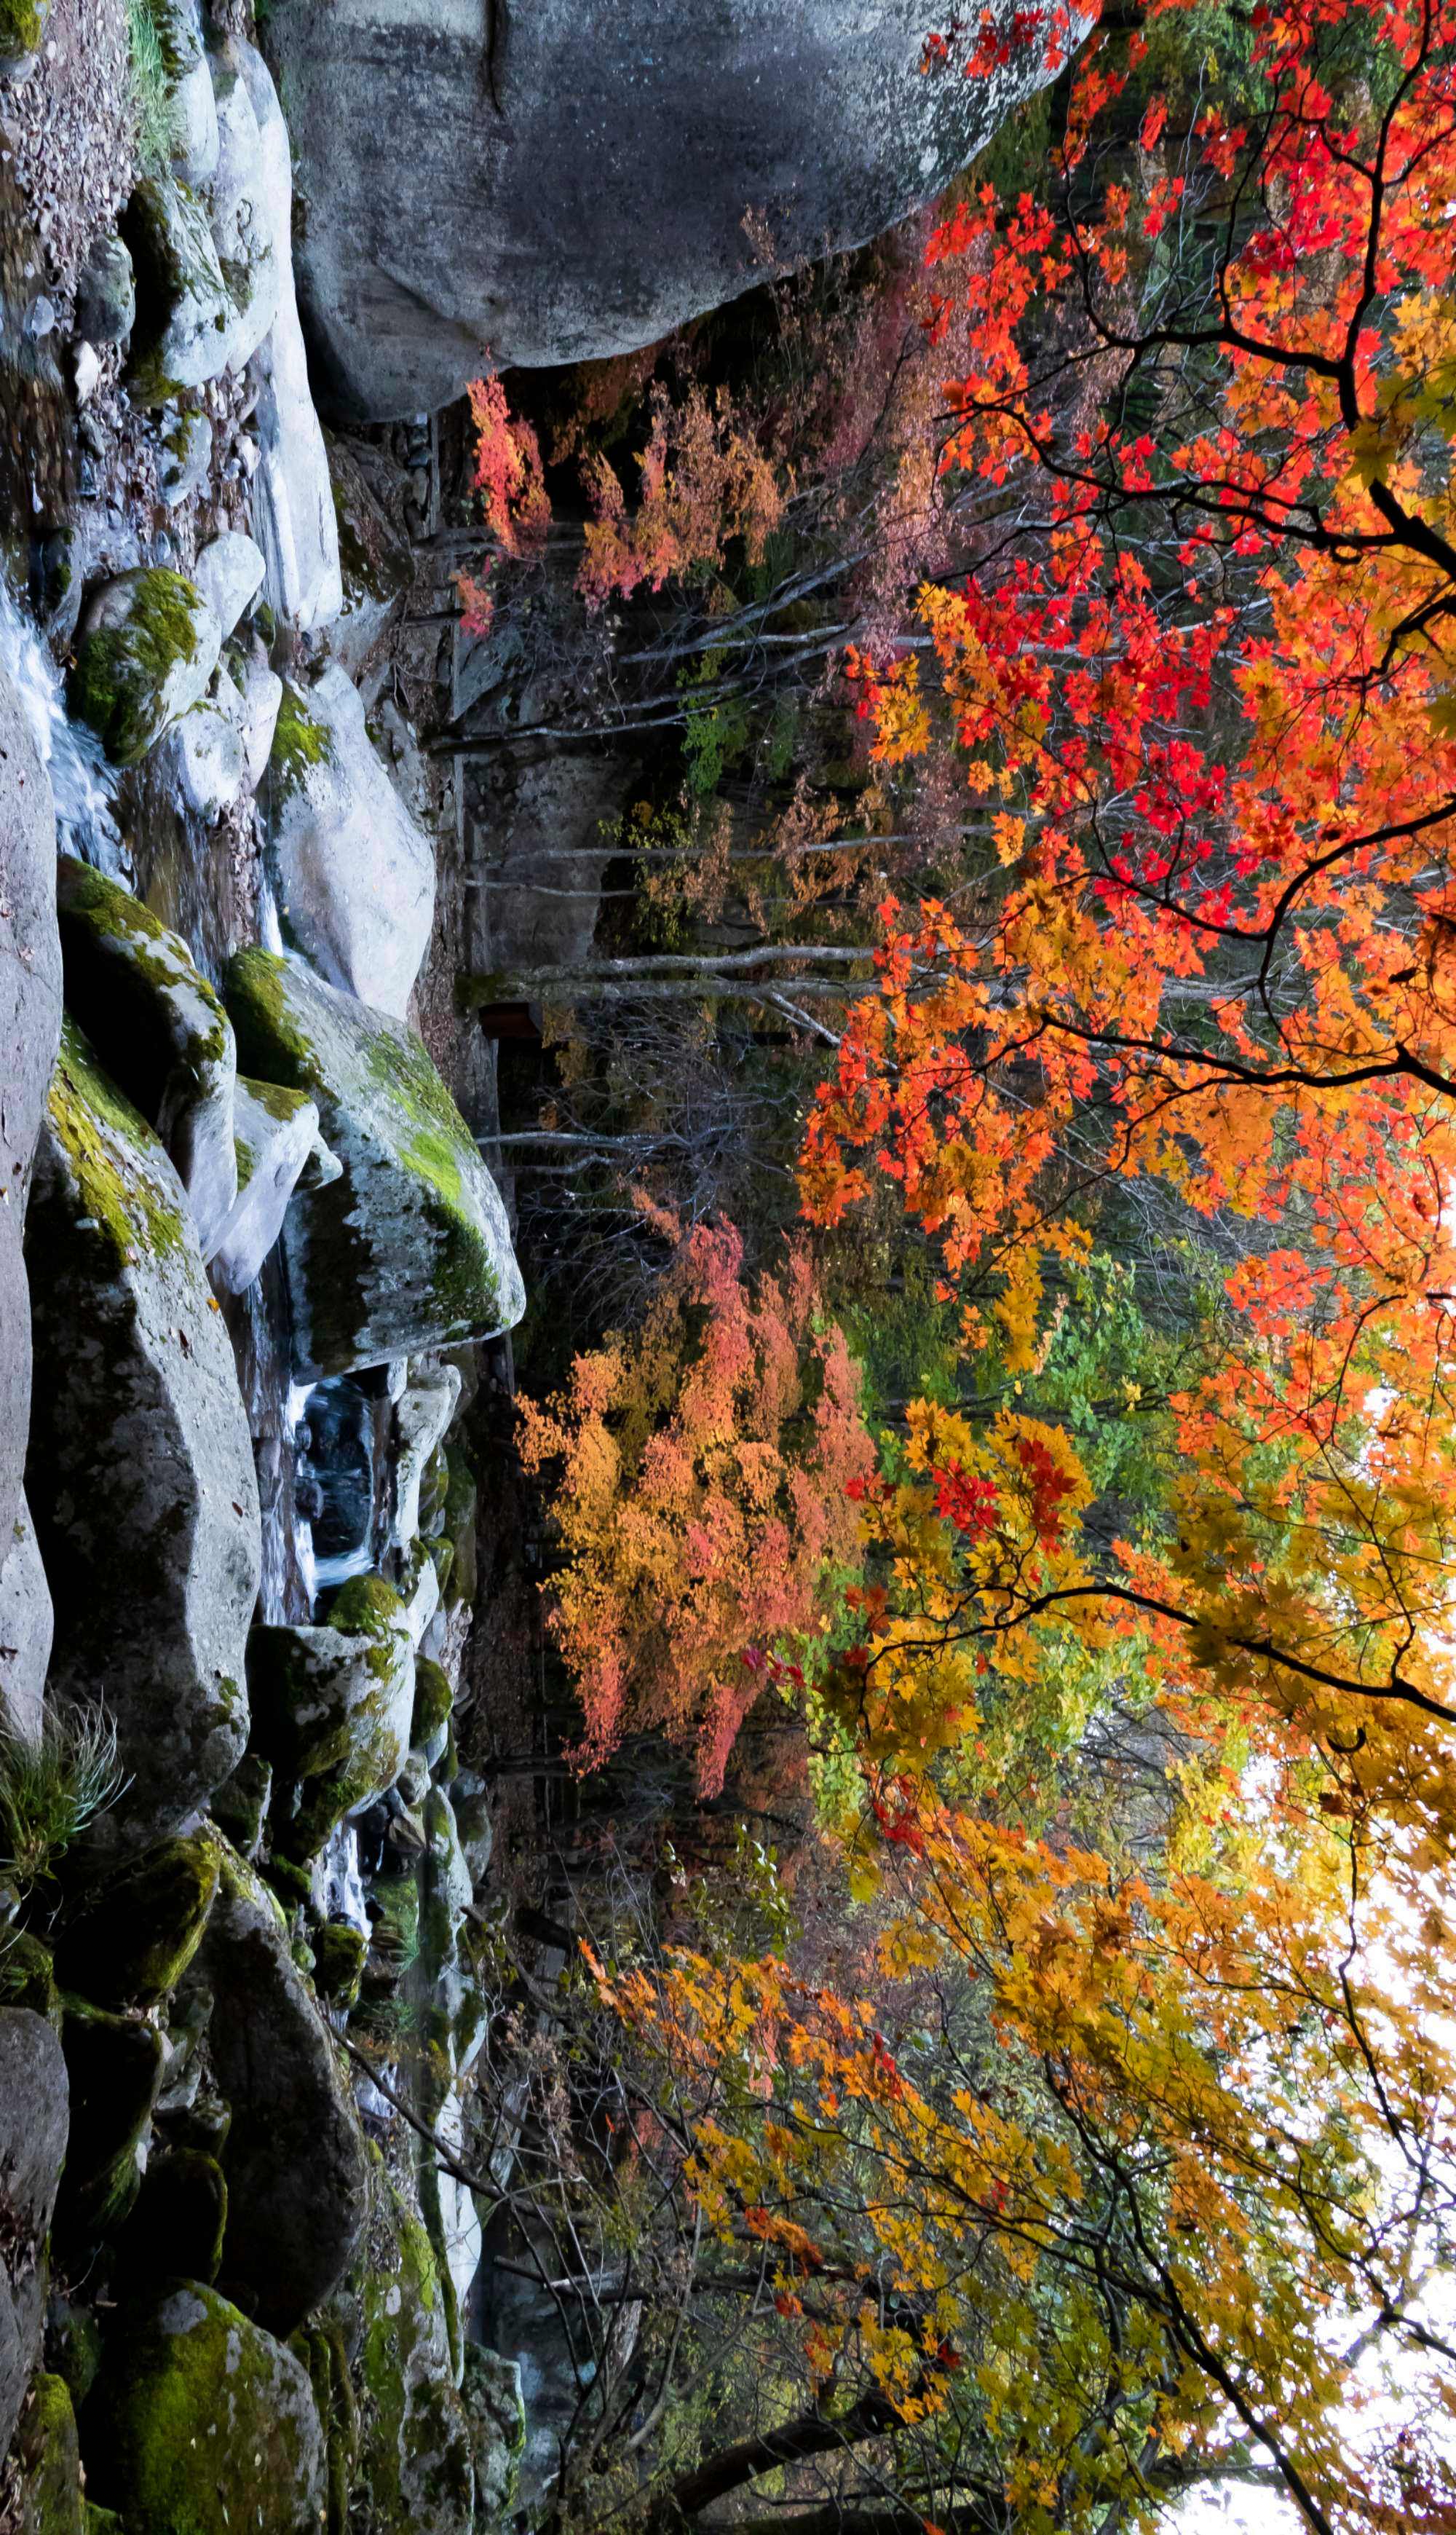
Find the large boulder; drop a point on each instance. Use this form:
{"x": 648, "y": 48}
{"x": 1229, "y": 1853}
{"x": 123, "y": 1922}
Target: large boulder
{"x": 295, "y": 2158}
{"x": 140, "y": 1475}
{"x": 555, "y": 200}
{"x": 33, "y": 2126}
{"x": 248, "y": 221}
{"x": 199, "y": 2423}
{"x": 409, "y": 1249}
{"x": 292, "y": 498}
{"x": 29, "y": 1032}
{"x": 159, "y": 1031}
{"x": 355, "y": 876}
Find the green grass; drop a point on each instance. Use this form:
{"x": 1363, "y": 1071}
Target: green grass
{"x": 151, "y": 92}
{"x": 51, "y": 1789}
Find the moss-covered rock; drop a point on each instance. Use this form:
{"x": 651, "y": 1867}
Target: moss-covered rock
{"x": 334, "y": 1701}
{"x": 339, "y": 1962}
{"x": 240, "y": 1804}
{"x": 73, "y": 2345}
{"x": 47, "y": 2452}
{"x": 321, "y": 2349}
{"x": 27, "y": 1976}
{"x": 199, "y": 2423}
{"x": 132, "y": 1938}
{"x": 139, "y": 1478}
{"x": 114, "y": 2065}
{"x": 22, "y": 27}
{"x": 415, "y": 2450}
{"x": 147, "y": 649}
{"x": 159, "y": 1031}
{"x": 489, "y": 2390}
{"x": 294, "y": 2159}
{"x": 433, "y": 1700}
{"x": 410, "y": 1248}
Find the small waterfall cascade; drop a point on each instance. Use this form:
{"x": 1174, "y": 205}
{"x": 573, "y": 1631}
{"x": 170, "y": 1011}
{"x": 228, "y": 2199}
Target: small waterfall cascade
{"x": 81, "y": 780}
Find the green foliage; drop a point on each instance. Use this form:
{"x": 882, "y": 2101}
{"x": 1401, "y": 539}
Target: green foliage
{"x": 151, "y": 89}
{"x": 53, "y": 1788}
{"x": 716, "y": 727}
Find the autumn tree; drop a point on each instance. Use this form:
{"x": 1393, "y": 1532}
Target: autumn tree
{"x": 1196, "y": 2177}
{"x": 702, "y": 1464}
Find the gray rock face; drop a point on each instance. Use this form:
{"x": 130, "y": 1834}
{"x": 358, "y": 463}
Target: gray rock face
{"x": 158, "y": 1028}
{"x": 556, "y": 196}
{"x": 140, "y": 1473}
{"x": 294, "y": 2159}
{"x": 106, "y": 293}
{"x": 294, "y": 512}
{"x": 252, "y": 248}
{"x": 184, "y": 312}
{"x": 422, "y": 1413}
{"x": 355, "y": 876}
{"x": 35, "y": 2122}
{"x": 276, "y": 1135}
{"x": 228, "y": 571}
{"x": 29, "y": 1032}
{"x": 26, "y": 1626}
{"x": 409, "y": 1249}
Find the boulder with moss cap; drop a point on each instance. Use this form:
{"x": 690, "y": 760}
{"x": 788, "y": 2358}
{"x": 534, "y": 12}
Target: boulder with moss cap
{"x": 201, "y": 2423}
{"x": 140, "y": 1477}
{"x": 409, "y": 1249}
{"x": 129, "y": 1940}
{"x": 158, "y": 1028}
{"x": 147, "y": 649}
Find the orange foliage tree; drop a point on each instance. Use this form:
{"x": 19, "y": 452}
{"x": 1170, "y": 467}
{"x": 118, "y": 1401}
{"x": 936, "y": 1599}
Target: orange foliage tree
{"x": 1196, "y": 2169}
{"x": 704, "y": 1467}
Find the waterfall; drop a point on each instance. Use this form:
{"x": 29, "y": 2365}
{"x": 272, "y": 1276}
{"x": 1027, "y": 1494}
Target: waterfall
{"x": 82, "y": 782}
